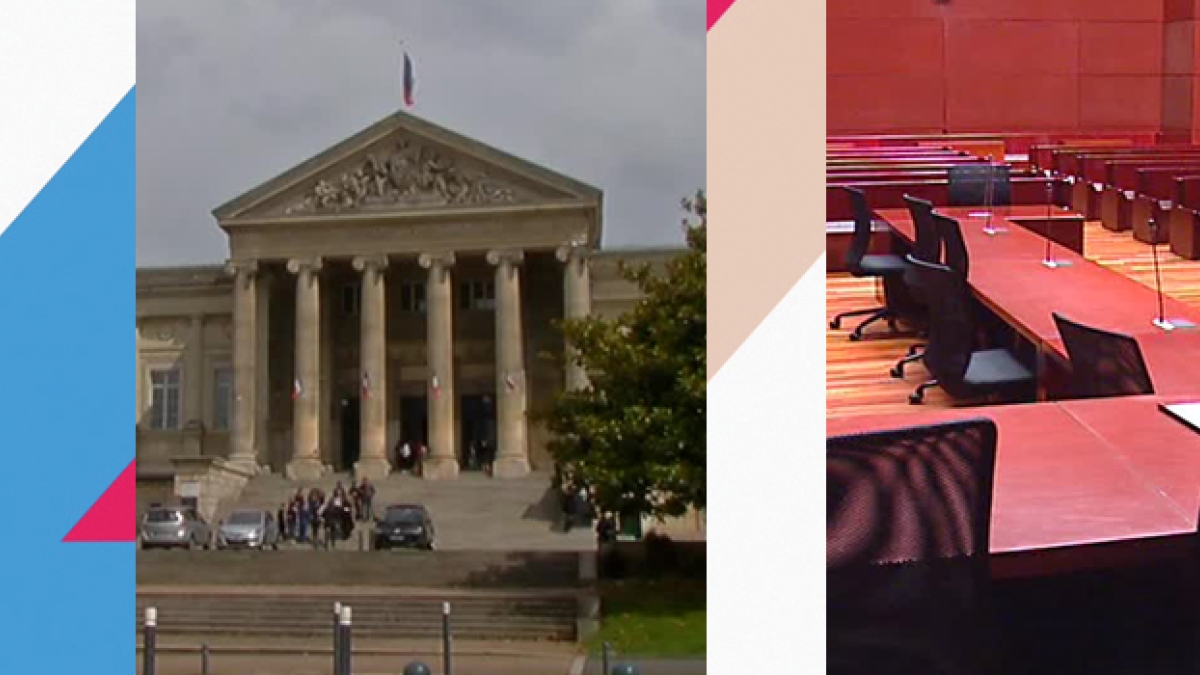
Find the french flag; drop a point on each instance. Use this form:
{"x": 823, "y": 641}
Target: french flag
{"x": 435, "y": 386}
{"x": 410, "y": 82}
{"x": 297, "y": 390}
{"x": 366, "y": 385}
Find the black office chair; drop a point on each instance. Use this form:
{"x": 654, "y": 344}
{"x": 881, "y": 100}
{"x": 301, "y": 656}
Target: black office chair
{"x": 956, "y": 366}
{"x": 927, "y": 246}
{"x": 1102, "y": 363}
{"x": 908, "y": 515}
{"x": 970, "y": 184}
{"x": 956, "y": 257}
{"x": 887, "y": 267}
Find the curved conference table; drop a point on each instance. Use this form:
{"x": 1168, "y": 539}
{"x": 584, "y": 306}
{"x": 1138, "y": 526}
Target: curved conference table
{"x": 1085, "y": 483}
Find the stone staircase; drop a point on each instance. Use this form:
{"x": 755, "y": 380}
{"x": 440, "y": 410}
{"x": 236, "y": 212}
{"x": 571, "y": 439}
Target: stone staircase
{"x": 472, "y": 512}
{"x": 380, "y": 613}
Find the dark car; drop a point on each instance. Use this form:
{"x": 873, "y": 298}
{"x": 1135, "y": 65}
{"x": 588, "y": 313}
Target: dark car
{"x": 406, "y": 525}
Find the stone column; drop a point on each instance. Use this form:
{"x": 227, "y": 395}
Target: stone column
{"x": 442, "y": 462}
{"x": 577, "y": 304}
{"x": 306, "y": 410}
{"x": 373, "y": 461}
{"x": 262, "y": 404}
{"x": 512, "y": 453}
{"x": 193, "y": 395}
{"x": 244, "y": 451}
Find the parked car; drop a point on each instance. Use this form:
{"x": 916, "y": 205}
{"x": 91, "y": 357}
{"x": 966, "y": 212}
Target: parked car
{"x": 248, "y": 529}
{"x": 406, "y": 525}
{"x": 174, "y": 527}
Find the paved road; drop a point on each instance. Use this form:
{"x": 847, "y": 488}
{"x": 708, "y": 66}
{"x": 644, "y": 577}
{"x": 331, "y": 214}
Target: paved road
{"x": 233, "y": 656}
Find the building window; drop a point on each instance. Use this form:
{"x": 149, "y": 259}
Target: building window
{"x": 222, "y": 398}
{"x": 350, "y": 296}
{"x": 478, "y": 295}
{"x": 164, "y": 399}
{"x": 412, "y": 297}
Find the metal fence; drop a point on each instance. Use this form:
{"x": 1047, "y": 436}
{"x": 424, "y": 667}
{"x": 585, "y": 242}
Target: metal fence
{"x": 342, "y": 631}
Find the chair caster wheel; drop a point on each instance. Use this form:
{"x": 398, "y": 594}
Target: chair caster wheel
{"x": 855, "y": 337}
{"x": 835, "y": 324}
{"x": 897, "y": 373}
{"x": 915, "y": 399}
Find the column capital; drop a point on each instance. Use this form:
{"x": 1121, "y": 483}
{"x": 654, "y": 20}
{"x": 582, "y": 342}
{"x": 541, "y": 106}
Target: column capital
{"x": 572, "y": 251}
{"x": 441, "y": 259}
{"x": 377, "y": 262}
{"x": 508, "y": 256}
{"x": 310, "y": 265}
{"x": 242, "y": 270}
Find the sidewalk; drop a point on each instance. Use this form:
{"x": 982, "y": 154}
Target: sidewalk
{"x": 240, "y": 656}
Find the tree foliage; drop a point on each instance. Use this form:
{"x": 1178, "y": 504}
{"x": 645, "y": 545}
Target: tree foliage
{"x": 636, "y": 438}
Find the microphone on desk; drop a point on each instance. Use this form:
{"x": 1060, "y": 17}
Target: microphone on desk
{"x": 1048, "y": 259}
{"x": 989, "y": 201}
{"x": 1160, "y": 320}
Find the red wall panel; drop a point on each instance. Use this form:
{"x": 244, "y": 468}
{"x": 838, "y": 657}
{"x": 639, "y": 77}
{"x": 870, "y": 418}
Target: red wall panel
{"x": 1179, "y": 48}
{"x": 894, "y": 103}
{"x": 1012, "y": 102}
{"x": 1177, "y": 102}
{"x": 1119, "y": 101}
{"x": 1120, "y": 48}
{"x": 912, "y": 46}
{"x": 1013, "y": 47}
{"x": 1083, "y": 66}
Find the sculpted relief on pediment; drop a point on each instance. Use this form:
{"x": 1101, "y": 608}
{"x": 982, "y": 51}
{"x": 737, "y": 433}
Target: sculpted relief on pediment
{"x": 405, "y": 173}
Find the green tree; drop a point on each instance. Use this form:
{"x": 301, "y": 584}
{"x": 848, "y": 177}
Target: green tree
{"x": 636, "y": 437}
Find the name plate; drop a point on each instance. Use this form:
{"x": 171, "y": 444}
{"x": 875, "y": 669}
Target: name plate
{"x": 1188, "y": 413}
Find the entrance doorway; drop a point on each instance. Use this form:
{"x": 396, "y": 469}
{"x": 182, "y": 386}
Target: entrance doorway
{"x": 478, "y": 432}
{"x": 414, "y": 423}
{"x": 351, "y": 432}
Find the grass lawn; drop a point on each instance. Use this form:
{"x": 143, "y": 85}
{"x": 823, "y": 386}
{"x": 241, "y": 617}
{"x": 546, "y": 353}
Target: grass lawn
{"x": 653, "y": 618}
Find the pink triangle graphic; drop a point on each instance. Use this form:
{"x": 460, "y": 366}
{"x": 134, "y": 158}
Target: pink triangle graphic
{"x": 717, "y": 9}
{"x": 113, "y": 518}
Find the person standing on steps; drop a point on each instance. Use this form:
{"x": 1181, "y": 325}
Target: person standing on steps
{"x": 366, "y": 493}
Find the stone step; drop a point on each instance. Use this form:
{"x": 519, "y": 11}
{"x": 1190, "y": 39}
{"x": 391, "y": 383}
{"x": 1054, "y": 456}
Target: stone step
{"x": 471, "y": 512}
{"x": 550, "y": 616}
{"x": 398, "y": 569}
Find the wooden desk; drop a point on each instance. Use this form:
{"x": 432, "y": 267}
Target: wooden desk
{"x": 1080, "y": 484}
{"x": 1008, "y": 278}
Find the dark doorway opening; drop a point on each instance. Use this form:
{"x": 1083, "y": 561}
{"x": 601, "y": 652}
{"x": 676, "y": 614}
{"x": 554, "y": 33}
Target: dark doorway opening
{"x": 478, "y": 432}
{"x": 350, "y": 432}
{"x": 414, "y": 424}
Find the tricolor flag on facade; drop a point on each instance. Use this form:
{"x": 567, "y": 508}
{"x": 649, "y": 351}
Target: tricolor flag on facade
{"x": 510, "y": 383}
{"x": 435, "y": 386}
{"x": 297, "y": 389}
{"x": 366, "y": 385}
{"x": 410, "y": 82}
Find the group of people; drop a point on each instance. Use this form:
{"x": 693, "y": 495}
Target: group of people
{"x": 479, "y": 456}
{"x": 409, "y": 457}
{"x": 326, "y": 520}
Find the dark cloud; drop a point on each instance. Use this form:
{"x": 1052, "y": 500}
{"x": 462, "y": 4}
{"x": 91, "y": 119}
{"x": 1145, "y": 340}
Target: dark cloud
{"x": 232, "y": 93}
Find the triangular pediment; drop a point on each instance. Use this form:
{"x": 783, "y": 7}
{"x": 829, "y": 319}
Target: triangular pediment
{"x": 404, "y": 164}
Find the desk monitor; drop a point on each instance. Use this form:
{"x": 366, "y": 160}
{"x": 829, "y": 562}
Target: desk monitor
{"x": 1188, "y": 413}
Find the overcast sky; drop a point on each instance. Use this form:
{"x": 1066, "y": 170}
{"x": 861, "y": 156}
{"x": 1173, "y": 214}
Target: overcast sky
{"x": 231, "y": 93}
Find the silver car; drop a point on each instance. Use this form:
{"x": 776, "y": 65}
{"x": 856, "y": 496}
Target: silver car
{"x": 173, "y": 527}
{"x": 248, "y": 529}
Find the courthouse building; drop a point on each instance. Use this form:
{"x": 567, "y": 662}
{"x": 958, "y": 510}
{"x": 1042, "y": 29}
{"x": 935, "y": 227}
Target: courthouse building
{"x": 403, "y": 285}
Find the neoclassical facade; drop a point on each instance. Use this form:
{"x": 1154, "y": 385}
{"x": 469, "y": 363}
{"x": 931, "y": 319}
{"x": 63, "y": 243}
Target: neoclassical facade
{"x": 403, "y": 285}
